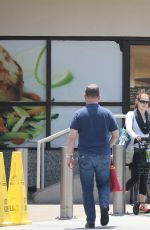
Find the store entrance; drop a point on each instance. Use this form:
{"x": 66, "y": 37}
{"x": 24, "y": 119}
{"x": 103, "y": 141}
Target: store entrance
{"x": 139, "y": 70}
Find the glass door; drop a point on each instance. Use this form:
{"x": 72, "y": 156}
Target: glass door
{"x": 139, "y": 71}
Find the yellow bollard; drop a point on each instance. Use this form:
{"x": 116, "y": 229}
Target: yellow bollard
{"x": 17, "y": 196}
{"x": 4, "y": 208}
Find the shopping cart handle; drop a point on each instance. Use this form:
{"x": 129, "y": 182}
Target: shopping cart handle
{"x": 145, "y": 139}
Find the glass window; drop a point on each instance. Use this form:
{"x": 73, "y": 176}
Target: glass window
{"x": 62, "y": 116}
{"x": 75, "y": 64}
{"x": 139, "y": 70}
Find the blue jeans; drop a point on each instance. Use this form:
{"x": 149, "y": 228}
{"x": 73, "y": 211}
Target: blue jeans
{"x": 94, "y": 166}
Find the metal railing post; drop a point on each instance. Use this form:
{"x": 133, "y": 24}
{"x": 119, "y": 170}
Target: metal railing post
{"x": 38, "y": 173}
{"x": 66, "y": 188}
{"x": 42, "y": 166}
{"x": 119, "y": 162}
{"x": 39, "y": 148}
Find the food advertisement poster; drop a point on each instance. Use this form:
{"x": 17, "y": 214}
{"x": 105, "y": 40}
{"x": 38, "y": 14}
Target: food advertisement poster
{"x": 22, "y": 79}
{"x": 74, "y": 64}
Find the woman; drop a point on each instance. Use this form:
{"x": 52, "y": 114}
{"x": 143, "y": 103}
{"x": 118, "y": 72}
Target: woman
{"x": 138, "y": 126}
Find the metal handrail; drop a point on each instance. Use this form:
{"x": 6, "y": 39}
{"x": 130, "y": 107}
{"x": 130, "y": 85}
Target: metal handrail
{"x": 40, "y": 153}
{"x": 40, "y": 146}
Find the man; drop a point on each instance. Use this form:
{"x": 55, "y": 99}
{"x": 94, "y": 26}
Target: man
{"x": 94, "y": 124}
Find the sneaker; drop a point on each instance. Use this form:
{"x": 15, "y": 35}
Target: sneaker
{"x": 104, "y": 215}
{"x": 142, "y": 208}
{"x": 90, "y": 225}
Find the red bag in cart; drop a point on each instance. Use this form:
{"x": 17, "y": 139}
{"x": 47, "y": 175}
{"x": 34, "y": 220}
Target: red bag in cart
{"x": 114, "y": 182}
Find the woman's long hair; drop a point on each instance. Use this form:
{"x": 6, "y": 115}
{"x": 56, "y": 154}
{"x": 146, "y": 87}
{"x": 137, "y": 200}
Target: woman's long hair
{"x": 138, "y": 98}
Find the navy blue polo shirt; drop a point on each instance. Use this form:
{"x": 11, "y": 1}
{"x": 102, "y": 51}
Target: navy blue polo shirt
{"x": 94, "y": 124}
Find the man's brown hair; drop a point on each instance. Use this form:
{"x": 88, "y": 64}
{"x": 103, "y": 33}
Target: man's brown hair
{"x": 92, "y": 90}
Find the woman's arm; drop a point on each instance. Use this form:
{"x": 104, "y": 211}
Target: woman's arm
{"x": 129, "y": 124}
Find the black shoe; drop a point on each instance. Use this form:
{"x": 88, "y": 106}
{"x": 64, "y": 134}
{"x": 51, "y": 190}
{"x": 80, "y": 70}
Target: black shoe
{"x": 104, "y": 215}
{"x": 90, "y": 225}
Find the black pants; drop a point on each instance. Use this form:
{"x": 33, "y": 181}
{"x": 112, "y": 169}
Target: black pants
{"x": 139, "y": 172}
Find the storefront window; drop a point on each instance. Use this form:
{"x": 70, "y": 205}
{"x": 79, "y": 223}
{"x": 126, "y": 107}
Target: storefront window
{"x": 139, "y": 70}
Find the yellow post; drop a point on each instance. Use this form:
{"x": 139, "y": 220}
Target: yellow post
{"x": 4, "y": 208}
{"x": 17, "y": 196}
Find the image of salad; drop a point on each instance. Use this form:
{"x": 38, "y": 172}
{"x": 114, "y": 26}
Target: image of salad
{"x": 20, "y": 124}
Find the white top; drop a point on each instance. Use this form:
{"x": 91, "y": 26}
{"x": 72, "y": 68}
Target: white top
{"x": 132, "y": 126}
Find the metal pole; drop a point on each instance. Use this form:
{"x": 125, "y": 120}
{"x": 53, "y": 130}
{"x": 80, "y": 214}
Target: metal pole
{"x": 42, "y": 167}
{"x": 119, "y": 162}
{"x": 38, "y": 173}
{"x": 66, "y": 188}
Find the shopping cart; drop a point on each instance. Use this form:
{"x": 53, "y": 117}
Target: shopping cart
{"x": 143, "y": 169}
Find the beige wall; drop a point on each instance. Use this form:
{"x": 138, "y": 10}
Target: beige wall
{"x": 75, "y": 17}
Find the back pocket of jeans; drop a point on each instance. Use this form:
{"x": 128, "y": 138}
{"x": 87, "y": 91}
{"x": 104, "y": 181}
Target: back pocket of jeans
{"x": 84, "y": 162}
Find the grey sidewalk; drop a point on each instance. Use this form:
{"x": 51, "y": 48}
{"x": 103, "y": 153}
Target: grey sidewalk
{"x": 45, "y": 217}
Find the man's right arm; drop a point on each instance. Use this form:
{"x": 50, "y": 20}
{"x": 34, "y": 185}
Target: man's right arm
{"x": 70, "y": 146}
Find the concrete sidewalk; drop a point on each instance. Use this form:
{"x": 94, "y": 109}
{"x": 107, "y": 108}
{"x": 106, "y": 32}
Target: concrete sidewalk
{"x": 46, "y": 217}
{"x": 51, "y": 212}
